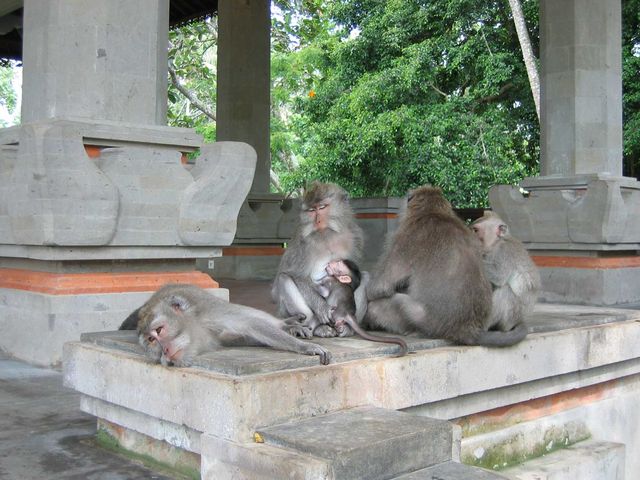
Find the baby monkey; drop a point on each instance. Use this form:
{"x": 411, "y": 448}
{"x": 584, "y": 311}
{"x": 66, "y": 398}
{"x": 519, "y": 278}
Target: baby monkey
{"x": 182, "y": 321}
{"x": 338, "y": 287}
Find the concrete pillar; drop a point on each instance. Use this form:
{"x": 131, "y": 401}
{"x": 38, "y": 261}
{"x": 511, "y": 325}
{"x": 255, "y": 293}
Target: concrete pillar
{"x": 579, "y": 218}
{"x": 244, "y": 83}
{"x": 581, "y": 88}
{"x": 97, "y": 207}
{"x": 96, "y": 60}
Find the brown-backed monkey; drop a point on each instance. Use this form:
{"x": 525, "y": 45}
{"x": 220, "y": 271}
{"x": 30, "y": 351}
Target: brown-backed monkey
{"x": 338, "y": 287}
{"x": 327, "y": 232}
{"x": 180, "y": 322}
{"x": 430, "y": 279}
{"x": 509, "y": 268}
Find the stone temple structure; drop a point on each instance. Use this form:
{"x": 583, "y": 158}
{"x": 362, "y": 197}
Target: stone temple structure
{"x": 98, "y": 208}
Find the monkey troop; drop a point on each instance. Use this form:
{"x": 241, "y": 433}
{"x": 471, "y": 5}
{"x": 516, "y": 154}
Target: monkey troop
{"x": 437, "y": 278}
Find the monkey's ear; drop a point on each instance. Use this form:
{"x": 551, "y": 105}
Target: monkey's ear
{"x": 502, "y": 230}
{"x": 178, "y": 303}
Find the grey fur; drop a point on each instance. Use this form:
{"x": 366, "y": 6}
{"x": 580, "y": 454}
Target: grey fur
{"x": 513, "y": 275}
{"x": 193, "y": 321}
{"x": 294, "y": 288}
{"x": 430, "y": 279}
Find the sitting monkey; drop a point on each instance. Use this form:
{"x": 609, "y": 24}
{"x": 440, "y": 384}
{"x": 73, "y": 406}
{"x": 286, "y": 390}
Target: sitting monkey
{"x": 513, "y": 275}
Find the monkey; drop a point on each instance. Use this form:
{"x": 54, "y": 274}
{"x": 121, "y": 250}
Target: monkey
{"x": 430, "y": 278}
{"x": 181, "y": 321}
{"x": 513, "y": 275}
{"x": 131, "y": 322}
{"x": 327, "y": 231}
{"x": 338, "y": 287}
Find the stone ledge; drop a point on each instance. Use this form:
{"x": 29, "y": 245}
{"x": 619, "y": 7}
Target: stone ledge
{"x": 241, "y": 389}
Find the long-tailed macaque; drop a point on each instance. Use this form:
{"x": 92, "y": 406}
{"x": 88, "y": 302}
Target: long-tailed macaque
{"x": 327, "y": 232}
{"x": 509, "y": 268}
{"x": 181, "y": 321}
{"x": 430, "y": 279}
{"x": 338, "y": 287}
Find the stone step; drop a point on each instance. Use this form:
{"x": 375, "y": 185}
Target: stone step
{"x": 451, "y": 471}
{"x": 587, "y": 460}
{"x": 366, "y": 443}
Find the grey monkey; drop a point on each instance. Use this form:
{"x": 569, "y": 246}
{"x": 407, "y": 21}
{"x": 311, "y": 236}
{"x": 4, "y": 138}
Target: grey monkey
{"x": 430, "y": 278}
{"x": 509, "y": 268}
{"x": 182, "y": 321}
{"x": 327, "y": 232}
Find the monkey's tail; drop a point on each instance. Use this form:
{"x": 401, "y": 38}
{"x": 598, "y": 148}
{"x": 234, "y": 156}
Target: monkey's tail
{"x": 503, "y": 339}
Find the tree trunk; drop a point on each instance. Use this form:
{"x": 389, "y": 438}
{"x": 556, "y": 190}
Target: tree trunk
{"x": 527, "y": 52}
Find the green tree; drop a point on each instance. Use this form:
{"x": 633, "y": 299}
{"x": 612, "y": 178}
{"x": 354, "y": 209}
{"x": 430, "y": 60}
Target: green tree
{"x": 8, "y": 97}
{"x": 631, "y": 86}
{"x": 192, "y": 77}
{"x": 415, "y": 92}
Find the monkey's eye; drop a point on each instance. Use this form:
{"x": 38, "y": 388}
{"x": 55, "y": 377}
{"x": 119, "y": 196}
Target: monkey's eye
{"x": 159, "y": 330}
{"x": 322, "y": 206}
{"x": 151, "y": 339}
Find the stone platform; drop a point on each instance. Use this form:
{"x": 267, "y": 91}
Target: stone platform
{"x": 576, "y": 376}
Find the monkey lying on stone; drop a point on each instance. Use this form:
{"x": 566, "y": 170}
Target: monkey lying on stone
{"x": 180, "y": 322}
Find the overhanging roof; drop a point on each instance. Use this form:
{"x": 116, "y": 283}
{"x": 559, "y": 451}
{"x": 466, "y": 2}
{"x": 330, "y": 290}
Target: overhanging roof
{"x": 180, "y": 12}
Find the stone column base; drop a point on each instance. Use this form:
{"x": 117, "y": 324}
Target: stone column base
{"x": 589, "y": 280}
{"x": 40, "y": 311}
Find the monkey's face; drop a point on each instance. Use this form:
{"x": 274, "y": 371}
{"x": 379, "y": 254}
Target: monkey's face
{"x": 158, "y": 329}
{"x": 489, "y": 230}
{"x": 324, "y": 206}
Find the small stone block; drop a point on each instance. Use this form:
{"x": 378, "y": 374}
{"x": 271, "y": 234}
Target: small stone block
{"x": 451, "y": 471}
{"x": 366, "y": 442}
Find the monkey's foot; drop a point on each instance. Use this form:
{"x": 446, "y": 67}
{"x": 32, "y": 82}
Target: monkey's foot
{"x": 325, "y": 331}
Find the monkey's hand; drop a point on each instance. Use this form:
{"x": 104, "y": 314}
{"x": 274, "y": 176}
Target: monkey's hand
{"x": 298, "y": 330}
{"x": 323, "y": 312}
{"x": 315, "y": 349}
{"x": 325, "y": 331}
{"x": 183, "y": 361}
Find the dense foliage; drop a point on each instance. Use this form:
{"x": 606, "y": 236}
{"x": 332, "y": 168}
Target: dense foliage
{"x": 384, "y": 95}
{"x": 631, "y": 86}
{"x": 405, "y": 92}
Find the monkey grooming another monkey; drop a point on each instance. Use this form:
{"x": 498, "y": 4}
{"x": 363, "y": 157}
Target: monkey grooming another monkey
{"x": 180, "y": 322}
{"x": 338, "y": 287}
{"x": 430, "y": 279}
{"x": 327, "y": 232}
{"x": 509, "y": 268}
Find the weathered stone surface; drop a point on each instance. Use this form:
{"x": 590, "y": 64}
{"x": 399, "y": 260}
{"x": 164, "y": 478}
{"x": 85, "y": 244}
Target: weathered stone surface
{"x": 8, "y": 155}
{"x": 366, "y": 443}
{"x": 588, "y": 460}
{"x": 95, "y": 60}
{"x": 597, "y": 214}
{"x": 58, "y": 196}
{"x": 224, "y": 459}
{"x": 451, "y": 471}
{"x": 222, "y": 179}
{"x": 150, "y": 184}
